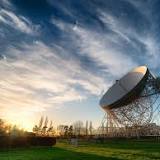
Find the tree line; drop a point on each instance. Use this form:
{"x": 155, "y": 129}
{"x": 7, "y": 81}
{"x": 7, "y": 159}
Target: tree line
{"x": 78, "y": 128}
{"x": 44, "y": 128}
{"x": 7, "y": 129}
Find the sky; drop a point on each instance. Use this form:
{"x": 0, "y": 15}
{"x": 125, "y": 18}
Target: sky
{"x": 57, "y": 58}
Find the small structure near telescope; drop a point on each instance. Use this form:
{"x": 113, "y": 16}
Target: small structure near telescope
{"x": 132, "y": 105}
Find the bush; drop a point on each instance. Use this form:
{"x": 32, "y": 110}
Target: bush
{"x": 21, "y": 141}
{"x": 42, "y": 141}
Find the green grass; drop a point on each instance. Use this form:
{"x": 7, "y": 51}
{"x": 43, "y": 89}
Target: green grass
{"x": 121, "y": 150}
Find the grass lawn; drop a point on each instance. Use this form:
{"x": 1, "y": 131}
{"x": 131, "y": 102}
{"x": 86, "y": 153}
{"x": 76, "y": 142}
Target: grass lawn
{"x": 121, "y": 150}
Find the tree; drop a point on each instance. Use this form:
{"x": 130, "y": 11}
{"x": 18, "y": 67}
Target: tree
{"x": 60, "y": 129}
{"x": 50, "y": 127}
{"x": 66, "y": 131}
{"x": 5, "y": 129}
{"x": 78, "y": 127}
{"x": 86, "y": 128}
{"x": 40, "y": 125}
{"x": 2, "y": 130}
{"x": 90, "y": 128}
{"x": 70, "y": 131}
{"x": 44, "y": 128}
{"x": 15, "y": 131}
{"x": 50, "y": 130}
{"x": 35, "y": 129}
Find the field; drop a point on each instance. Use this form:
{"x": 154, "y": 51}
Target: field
{"x": 121, "y": 150}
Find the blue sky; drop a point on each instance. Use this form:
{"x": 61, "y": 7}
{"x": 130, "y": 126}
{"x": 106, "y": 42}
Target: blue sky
{"x": 57, "y": 58}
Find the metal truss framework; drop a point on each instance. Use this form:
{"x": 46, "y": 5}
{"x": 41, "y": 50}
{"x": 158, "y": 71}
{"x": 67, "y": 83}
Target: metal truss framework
{"x": 137, "y": 117}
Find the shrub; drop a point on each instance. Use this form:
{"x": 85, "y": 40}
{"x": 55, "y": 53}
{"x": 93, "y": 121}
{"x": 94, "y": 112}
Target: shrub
{"x": 21, "y": 141}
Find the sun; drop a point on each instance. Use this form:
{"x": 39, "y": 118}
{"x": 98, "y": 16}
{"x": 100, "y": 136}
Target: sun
{"x": 24, "y": 123}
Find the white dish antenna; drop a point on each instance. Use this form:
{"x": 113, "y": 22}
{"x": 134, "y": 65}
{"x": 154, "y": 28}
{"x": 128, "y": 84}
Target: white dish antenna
{"x": 131, "y": 100}
{"x": 126, "y": 89}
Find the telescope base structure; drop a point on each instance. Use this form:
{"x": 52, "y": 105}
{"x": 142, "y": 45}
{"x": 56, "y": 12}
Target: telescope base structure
{"x": 139, "y": 118}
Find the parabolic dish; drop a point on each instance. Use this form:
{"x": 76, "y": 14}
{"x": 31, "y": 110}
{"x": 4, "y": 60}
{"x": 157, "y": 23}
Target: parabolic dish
{"x": 126, "y": 89}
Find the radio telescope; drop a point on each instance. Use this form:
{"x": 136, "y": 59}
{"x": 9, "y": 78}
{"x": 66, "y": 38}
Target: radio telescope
{"x": 133, "y": 100}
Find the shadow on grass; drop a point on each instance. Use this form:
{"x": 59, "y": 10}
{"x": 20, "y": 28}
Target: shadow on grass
{"x": 88, "y": 151}
{"x": 150, "y": 150}
{"x": 129, "y": 145}
{"x": 73, "y": 155}
{"x": 46, "y": 153}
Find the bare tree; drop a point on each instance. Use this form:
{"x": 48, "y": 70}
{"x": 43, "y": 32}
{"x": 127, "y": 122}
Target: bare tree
{"x": 36, "y": 129}
{"x": 70, "y": 131}
{"x": 50, "y": 130}
{"x": 60, "y": 129}
{"x": 2, "y": 130}
{"x": 86, "y": 129}
{"x": 90, "y": 128}
{"x": 66, "y": 130}
{"x": 44, "y": 129}
{"x": 40, "y": 125}
{"x": 51, "y": 124}
{"x": 50, "y": 127}
{"x": 4, "y": 127}
{"x": 78, "y": 127}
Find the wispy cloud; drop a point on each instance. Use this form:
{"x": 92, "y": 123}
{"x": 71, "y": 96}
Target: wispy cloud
{"x": 37, "y": 78}
{"x": 99, "y": 47}
{"x": 78, "y": 56}
{"x": 6, "y": 4}
{"x": 144, "y": 44}
{"x": 18, "y": 22}
{"x": 120, "y": 48}
{"x": 96, "y": 47}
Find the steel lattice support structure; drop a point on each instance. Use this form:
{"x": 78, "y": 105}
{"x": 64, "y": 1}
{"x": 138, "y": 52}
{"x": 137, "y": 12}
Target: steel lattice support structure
{"x": 140, "y": 117}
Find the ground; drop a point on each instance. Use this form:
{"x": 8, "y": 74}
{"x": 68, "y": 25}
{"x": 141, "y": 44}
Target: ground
{"x": 117, "y": 150}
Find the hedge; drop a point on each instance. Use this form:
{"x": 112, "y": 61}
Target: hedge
{"x": 12, "y": 142}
